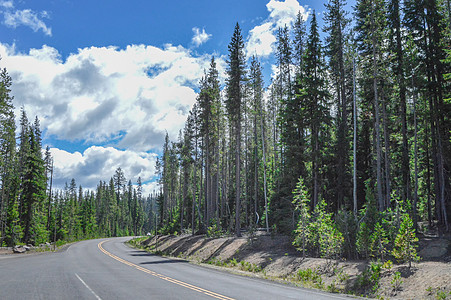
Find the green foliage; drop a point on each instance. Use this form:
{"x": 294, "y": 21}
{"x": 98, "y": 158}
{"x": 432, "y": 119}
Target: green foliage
{"x": 368, "y": 280}
{"x": 323, "y": 233}
{"x": 233, "y": 262}
{"x": 406, "y": 242}
{"x": 249, "y": 267}
{"x": 301, "y": 203}
{"x": 368, "y": 217}
{"x": 438, "y": 293}
{"x": 388, "y": 265}
{"x": 347, "y": 225}
{"x": 378, "y": 242}
{"x": 396, "y": 282}
{"x": 310, "y": 276}
{"x": 214, "y": 230}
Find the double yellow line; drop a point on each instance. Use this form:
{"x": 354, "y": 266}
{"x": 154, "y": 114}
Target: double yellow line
{"x": 178, "y": 282}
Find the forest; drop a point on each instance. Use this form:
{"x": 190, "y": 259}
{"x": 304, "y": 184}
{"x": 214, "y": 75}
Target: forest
{"x": 32, "y": 212}
{"x": 347, "y": 149}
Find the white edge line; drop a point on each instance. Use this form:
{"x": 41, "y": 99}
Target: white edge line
{"x": 87, "y": 286}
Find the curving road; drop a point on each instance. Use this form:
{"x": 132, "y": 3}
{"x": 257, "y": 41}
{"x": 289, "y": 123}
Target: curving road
{"x": 108, "y": 269}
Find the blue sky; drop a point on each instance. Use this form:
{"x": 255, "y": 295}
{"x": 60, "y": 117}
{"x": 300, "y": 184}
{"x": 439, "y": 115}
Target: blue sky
{"x": 108, "y": 78}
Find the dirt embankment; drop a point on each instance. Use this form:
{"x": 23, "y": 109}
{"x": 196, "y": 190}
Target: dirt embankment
{"x": 275, "y": 258}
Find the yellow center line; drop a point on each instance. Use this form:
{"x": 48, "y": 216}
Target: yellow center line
{"x": 169, "y": 279}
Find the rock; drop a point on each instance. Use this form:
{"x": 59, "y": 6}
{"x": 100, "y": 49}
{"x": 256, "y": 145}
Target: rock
{"x": 47, "y": 244}
{"x": 19, "y": 249}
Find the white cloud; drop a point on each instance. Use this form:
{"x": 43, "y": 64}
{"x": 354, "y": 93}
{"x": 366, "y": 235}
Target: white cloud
{"x": 284, "y": 12}
{"x": 132, "y": 95}
{"x": 200, "y": 37}
{"x": 7, "y": 4}
{"x": 26, "y": 17}
{"x": 262, "y": 38}
{"x": 123, "y": 98}
{"x": 97, "y": 164}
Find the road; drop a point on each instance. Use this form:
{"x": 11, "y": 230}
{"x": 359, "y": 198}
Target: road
{"x": 109, "y": 269}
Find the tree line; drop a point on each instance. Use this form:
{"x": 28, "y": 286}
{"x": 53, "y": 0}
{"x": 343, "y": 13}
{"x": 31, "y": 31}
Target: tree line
{"x": 362, "y": 118}
{"x": 33, "y": 212}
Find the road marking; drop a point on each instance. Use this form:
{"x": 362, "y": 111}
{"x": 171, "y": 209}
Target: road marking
{"x": 178, "y": 282}
{"x": 87, "y": 286}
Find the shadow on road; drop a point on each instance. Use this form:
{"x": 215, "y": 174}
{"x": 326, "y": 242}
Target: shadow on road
{"x": 143, "y": 254}
{"x": 166, "y": 261}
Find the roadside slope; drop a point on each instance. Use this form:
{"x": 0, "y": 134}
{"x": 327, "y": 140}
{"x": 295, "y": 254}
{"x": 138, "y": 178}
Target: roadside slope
{"x": 275, "y": 258}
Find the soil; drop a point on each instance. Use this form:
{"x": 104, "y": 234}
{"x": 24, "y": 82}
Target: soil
{"x": 274, "y": 257}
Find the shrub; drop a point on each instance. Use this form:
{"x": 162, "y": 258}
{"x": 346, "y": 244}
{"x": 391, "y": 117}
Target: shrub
{"x": 309, "y": 276}
{"x": 214, "y": 230}
{"x": 369, "y": 279}
{"x": 396, "y": 282}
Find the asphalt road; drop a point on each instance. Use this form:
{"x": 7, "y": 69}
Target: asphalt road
{"x": 109, "y": 269}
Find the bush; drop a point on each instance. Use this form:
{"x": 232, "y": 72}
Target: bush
{"x": 369, "y": 279}
{"x": 309, "y": 276}
{"x": 214, "y": 230}
{"x": 396, "y": 282}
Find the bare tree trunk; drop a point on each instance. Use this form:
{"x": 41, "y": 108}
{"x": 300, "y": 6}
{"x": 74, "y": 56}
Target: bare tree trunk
{"x": 387, "y": 156}
{"x": 376, "y": 123}
{"x": 264, "y": 173}
{"x": 237, "y": 180}
{"x": 415, "y": 195}
{"x": 355, "y": 141}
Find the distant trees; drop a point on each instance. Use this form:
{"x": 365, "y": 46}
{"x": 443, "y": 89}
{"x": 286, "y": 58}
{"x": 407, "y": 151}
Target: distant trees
{"x": 31, "y": 212}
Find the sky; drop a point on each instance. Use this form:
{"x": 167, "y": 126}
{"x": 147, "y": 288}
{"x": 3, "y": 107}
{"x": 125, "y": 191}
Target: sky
{"x": 107, "y": 79}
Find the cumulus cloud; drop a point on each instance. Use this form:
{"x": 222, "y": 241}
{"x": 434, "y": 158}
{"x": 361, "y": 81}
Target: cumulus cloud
{"x": 120, "y": 98}
{"x": 26, "y": 17}
{"x": 262, "y": 38}
{"x": 131, "y": 95}
{"x": 199, "y": 37}
{"x": 97, "y": 164}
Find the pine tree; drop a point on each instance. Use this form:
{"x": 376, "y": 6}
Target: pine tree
{"x": 405, "y": 243}
{"x": 8, "y": 176}
{"x": 236, "y": 77}
{"x": 301, "y": 202}
{"x": 34, "y": 187}
{"x": 314, "y": 97}
{"x": 336, "y": 27}
{"x": 371, "y": 26}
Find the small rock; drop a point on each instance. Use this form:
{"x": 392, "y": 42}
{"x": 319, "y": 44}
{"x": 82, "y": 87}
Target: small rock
{"x": 19, "y": 249}
{"x": 27, "y": 248}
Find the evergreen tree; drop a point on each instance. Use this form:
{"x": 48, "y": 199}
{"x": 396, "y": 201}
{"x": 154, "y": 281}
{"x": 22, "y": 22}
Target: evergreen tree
{"x": 315, "y": 99}
{"x": 234, "y": 90}
{"x": 405, "y": 242}
{"x": 336, "y": 25}
{"x": 8, "y": 176}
